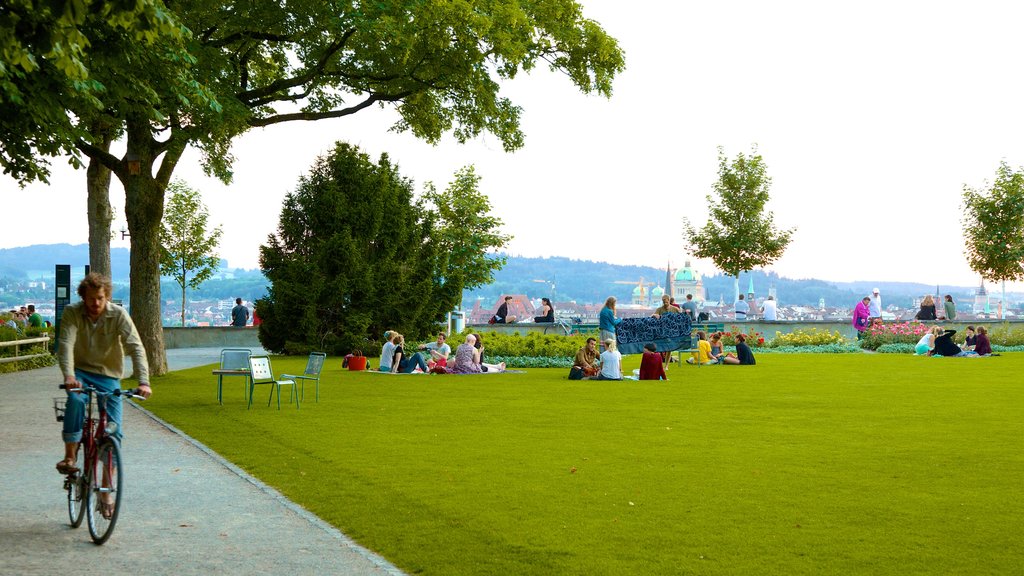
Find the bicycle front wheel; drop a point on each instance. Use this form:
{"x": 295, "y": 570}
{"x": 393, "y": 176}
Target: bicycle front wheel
{"x": 103, "y": 502}
{"x": 75, "y": 485}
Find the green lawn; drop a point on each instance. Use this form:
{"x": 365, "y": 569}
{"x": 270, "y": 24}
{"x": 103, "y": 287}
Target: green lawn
{"x": 804, "y": 464}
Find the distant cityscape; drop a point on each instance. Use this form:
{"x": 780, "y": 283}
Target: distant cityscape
{"x": 578, "y": 290}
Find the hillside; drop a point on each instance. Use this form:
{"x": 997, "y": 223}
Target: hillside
{"x": 557, "y": 277}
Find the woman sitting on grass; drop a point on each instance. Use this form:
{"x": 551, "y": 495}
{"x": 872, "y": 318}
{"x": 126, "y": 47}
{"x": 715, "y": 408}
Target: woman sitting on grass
{"x": 716, "y": 348}
{"x": 982, "y": 347}
{"x": 944, "y": 345}
{"x": 970, "y": 339}
{"x": 703, "y": 353}
{"x": 743, "y": 356}
{"x": 467, "y": 357}
{"x": 403, "y": 364}
{"x": 611, "y": 362}
{"x": 651, "y": 367}
{"x": 925, "y": 345}
{"x": 485, "y": 367}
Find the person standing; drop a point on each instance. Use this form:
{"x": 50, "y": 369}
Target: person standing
{"x": 607, "y": 320}
{"x": 666, "y": 307}
{"x": 94, "y": 334}
{"x": 741, "y": 309}
{"x": 239, "y": 314}
{"x": 950, "y": 307}
{"x": 690, "y": 307}
{"x": 875, "y": 307}
{"x": 770, "y": 309}
{"x": 861, "y": 313}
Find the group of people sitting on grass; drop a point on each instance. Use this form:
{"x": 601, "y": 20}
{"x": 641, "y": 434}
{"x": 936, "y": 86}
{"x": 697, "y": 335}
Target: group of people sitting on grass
{"x": 940, "y": 342}
{"x": 712, "y": 352}
{"x": 469, "y": 357}
{"x": 589, "y": 365}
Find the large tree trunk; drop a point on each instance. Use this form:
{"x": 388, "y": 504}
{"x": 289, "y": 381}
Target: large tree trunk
{"x": 97, "y": 182}
{"x": 144, "y": 209}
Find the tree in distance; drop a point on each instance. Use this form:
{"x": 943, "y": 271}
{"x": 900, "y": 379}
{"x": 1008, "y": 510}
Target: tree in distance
{"x": 993, "y": 224}
{"x": 186, "y": 248}
{"x": 466, "y": 236}
{"x": 438, "y": 64}
{"x": 356, "y": 254}
{"x": 739, "y": 234}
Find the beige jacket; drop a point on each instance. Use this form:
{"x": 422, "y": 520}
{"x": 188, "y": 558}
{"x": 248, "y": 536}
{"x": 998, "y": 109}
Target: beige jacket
{"x": 99, "y": 348}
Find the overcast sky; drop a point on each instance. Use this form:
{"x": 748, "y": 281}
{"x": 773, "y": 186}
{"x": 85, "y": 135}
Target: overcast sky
{"x": 871, "y": 117}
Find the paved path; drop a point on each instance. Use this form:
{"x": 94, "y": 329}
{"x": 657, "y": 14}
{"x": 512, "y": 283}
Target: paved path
{"x": 186, "y": 510}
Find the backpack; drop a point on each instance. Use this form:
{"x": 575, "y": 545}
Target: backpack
{"x": 576, "y": 373}
{"x": 703, "y": 317}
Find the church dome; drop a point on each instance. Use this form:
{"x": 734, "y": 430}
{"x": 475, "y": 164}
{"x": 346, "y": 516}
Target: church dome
{"x": 687, "y": 274}
{"x": 637, "y": 291}
{"x": 657, "y": 292}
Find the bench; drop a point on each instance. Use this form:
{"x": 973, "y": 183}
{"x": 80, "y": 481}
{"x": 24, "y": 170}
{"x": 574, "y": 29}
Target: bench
{"x": 709, "y": 328}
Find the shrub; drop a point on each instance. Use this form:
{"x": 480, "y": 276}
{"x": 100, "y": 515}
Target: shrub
{"x": 531, "y": 361}
{"x": 896, "y": 348}
{"x": 813, "y": 349}
{"x": 533, "y": 345}
{"x": 892, "y": 333}
{"x": 809, "y": 337}
{"x": 1005, "y": 334}
{"x": 754, "y": 338}
{"x": 8, "y": 334}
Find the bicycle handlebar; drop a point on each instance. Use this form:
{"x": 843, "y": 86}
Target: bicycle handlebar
{"x": 133, "y": 393}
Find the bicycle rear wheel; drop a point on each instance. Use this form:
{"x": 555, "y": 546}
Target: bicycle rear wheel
{"x": 103, "y": 502}
{"x": 75, "y": 485}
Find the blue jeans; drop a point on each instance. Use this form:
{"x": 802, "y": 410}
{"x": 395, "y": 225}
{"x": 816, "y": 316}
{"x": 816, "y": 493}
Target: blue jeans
{"x": 407, "y": 365}
{"x": 74, "y": 411}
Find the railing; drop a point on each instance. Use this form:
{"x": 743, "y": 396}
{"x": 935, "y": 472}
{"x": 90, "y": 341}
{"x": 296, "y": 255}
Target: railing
{"x": 17, "y": 349}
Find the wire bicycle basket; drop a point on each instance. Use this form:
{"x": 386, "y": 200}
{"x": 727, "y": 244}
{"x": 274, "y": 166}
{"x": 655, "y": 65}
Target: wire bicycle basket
{"x": 58, "y": 408}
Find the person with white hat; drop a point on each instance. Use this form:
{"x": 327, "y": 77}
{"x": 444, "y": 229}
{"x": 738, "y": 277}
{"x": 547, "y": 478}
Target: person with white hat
{"x": 875, "y": 308}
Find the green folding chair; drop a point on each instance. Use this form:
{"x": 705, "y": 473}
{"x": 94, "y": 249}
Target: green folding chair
{"x": 261, "y": 373}
{"x": 313, "y": 367}
{"x": 233, "y": 362}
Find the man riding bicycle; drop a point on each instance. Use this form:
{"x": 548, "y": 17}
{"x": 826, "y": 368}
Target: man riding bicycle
{"x": 93, "y": 336}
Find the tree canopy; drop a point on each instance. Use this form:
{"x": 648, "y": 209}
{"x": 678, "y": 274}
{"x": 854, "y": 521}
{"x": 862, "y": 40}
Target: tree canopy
{"x": 438, "y": 63}
{"x": 739, "y": 235}
{"x": 993, "y": 223}
{"x": 49, "y": 55}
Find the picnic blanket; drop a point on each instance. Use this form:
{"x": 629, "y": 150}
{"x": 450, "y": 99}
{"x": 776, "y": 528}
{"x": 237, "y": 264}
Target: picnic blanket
{"x": 670, "y": 332}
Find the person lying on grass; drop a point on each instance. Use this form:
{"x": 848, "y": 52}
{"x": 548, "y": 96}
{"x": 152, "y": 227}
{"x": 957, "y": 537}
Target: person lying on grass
{"x": 744, "y": 355}
{"x": 651, "y": 367}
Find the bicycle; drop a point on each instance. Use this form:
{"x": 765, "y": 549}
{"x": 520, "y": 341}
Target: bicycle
{"x": 95, "y": 491}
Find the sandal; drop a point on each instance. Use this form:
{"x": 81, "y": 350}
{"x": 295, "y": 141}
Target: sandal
{"x": 67, "y": 467}
{"x": 107, "y": 510}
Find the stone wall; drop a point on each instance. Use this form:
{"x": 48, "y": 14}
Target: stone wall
{"x": 211, "y": 337}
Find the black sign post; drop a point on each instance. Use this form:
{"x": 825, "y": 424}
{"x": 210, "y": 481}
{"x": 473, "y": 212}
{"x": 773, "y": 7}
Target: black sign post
{"x": 62, "y": 297}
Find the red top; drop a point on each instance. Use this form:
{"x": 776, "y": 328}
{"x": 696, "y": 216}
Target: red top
{"x": 651, "y": 367}
{"x": 256, "y": 320}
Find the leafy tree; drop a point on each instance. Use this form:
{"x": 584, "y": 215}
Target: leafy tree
{"x": 438, "y": 63}
{"x": 187, "y": 248}
{"x": 739, "y": 234}
{"x": 46, "y": 60}
{"x": 467, "y": 236}
{"x": 352, "y": 258}
{"x": 993, "y": 221}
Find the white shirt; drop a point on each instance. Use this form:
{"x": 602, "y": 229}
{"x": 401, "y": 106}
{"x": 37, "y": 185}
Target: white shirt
{"x": 875, "y": 308}
{"x": 771, "y": 311}
{"x": 610, "y": 362}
